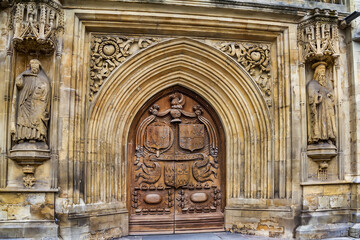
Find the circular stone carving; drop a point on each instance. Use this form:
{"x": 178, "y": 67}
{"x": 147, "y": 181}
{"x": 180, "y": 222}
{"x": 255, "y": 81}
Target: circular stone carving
{"x": 255, "y": 56}
{"x": 198, "y": 197}
{"x": 152, "y": 198}
{"x": 108, "y": 49}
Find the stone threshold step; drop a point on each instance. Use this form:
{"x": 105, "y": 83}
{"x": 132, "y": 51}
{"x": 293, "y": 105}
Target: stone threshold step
{"x": 198, "y": 236}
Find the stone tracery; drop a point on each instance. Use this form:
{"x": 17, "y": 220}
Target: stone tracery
{"x": 37, "y": 26}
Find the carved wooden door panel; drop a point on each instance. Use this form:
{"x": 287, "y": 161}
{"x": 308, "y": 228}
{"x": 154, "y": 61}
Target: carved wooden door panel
{"x": 176, "y": 168}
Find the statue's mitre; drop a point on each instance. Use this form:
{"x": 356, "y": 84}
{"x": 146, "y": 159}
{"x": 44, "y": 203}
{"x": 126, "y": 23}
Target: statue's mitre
{"x": 315, "y": 65}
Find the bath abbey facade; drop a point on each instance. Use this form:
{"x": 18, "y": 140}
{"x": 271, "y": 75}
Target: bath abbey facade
{"x": 134, "y": 117}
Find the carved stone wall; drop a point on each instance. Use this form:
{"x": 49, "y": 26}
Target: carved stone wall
{"x": 250, "y": 61}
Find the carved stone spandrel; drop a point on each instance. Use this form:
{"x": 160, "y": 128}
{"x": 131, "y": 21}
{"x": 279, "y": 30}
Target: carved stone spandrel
{"x": 108, "y": 52}
{"x": 255, "y": 58}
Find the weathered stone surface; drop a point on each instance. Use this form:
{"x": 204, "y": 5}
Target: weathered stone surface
{"x": 322, "y": 231}
{"x": 354, "y": 231}
{"x": 30, "y": 229}
{"x": 250, "y": 60}
{"x": 340, "y": 202}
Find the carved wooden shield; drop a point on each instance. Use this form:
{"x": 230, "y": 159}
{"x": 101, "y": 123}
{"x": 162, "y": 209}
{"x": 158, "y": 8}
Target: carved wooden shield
{"x": 182, "y": 174}
{"x": 191, "y": 136}
{"x": 169, "y": 174}
{"x": 158, "y": 136}
{"x": 177, "y": 175}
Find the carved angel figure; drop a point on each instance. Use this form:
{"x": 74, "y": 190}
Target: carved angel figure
{"x": 30, "y": 105}
{"x": 321, "y": 107}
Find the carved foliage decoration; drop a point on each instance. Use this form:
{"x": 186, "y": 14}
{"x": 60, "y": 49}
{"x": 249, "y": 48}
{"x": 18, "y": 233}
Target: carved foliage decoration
{"x": 318, "y": 35}
{"x": 255, "y": 58}
{"x": 36, "y": 26}
{"x": 108, "y": 52}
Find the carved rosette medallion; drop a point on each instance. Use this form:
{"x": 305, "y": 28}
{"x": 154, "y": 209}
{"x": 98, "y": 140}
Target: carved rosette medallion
{"x": 37, "y": 26}
{"x": 108, "y": 52}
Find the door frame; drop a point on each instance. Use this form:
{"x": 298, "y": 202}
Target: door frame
{"x": 219, "y": 128}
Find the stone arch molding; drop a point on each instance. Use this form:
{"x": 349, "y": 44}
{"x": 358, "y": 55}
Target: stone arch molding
{"x": 206, "y": 71}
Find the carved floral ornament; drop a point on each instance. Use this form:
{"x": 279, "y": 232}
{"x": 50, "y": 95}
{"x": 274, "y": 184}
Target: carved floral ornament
{"x": 108, "y": 52}
{"x": 36, "y": 26}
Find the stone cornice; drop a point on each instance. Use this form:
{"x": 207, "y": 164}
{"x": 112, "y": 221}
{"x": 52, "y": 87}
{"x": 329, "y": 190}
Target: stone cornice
{"x": 273, "y": 6}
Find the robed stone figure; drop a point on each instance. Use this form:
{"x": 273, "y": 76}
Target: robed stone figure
{"x": 321, "y": 108}
{"x": 30, "y": 106}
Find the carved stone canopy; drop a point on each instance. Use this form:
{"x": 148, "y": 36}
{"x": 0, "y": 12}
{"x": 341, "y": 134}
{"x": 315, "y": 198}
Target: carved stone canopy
{"x": 318, "y": 35}
{"x": 36, "y": 26}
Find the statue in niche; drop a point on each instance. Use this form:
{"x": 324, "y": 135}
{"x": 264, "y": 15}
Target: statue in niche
{"x": 30, "y": 107}
{"x": 321, "y": 108}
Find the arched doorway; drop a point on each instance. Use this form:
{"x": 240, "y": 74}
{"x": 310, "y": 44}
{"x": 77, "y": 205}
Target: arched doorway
{"x": 176, "y": 153}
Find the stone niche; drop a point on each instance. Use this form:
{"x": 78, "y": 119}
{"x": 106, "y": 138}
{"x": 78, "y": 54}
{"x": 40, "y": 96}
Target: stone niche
{"x": 326, "y": 196}
{"x": 322, "y": 149}
{"x": 112, "y": 57}
{"x": 318, "y": 38}
{"x": 36, "y": 31}
{"x": 27, "y": 193}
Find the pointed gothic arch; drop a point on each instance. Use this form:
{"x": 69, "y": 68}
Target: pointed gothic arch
{"x": 214, "y": 76}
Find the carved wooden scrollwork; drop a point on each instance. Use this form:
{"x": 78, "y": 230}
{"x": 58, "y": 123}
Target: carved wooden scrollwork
{"x": 108, "y": 52}
{"x": 150, "y": 146}
{"x": 176, "y": 164}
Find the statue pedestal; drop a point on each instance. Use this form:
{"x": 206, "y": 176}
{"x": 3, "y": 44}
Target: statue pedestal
{"x": 29, "y": 156}
{"x": 322, "y": 154}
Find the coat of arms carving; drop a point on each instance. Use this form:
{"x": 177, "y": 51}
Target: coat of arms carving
{"x": 191, "y": 136}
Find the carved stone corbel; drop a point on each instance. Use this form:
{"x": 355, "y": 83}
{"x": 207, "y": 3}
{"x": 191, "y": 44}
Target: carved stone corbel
{"x": 36, "y": 26}
{"x": 319, "y": 48}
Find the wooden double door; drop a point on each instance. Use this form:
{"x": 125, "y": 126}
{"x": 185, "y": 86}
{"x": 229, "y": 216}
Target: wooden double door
{"x": 176, "y": 149}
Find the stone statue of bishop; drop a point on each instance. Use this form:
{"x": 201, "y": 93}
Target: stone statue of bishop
{"x": 321, "y": 108}
{"x": 30, "y": 106}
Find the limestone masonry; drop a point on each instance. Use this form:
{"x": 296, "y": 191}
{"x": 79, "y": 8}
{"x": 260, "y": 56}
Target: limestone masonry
{"x": 126, "y": 117}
